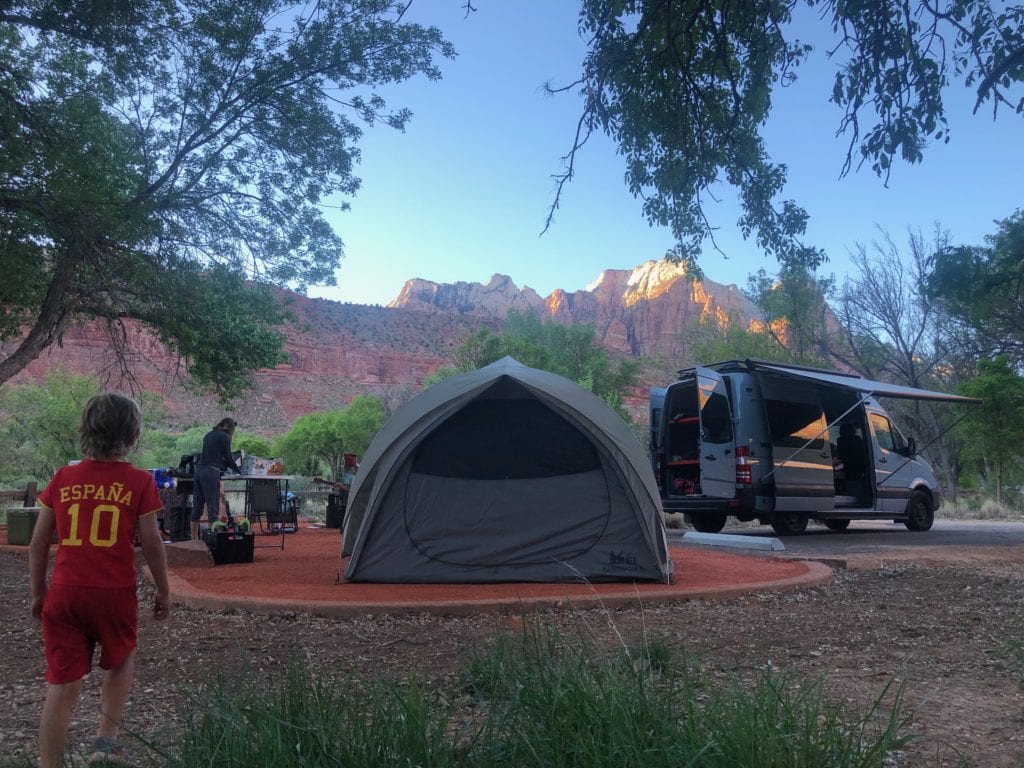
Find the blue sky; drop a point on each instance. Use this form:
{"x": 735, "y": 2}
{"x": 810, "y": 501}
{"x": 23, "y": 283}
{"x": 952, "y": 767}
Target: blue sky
{"x": 463, "y": 193}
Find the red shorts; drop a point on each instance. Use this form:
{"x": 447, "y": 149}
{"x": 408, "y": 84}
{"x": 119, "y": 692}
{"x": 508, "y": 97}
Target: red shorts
{"x": 75, "y": 619}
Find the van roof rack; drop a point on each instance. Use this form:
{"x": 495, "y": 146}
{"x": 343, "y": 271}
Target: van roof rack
{"x": 753, "y": 364}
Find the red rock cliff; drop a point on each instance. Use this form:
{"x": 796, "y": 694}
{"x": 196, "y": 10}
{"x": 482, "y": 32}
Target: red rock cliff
{"x": 338, "y": 351}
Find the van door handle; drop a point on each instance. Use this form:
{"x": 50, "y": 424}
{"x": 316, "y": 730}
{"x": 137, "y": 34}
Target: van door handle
{"x": 711, "y": 458}
{"x": 882, "y": 460}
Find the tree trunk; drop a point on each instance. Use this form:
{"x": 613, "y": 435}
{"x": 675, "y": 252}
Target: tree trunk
{"x": 51, "y": 321}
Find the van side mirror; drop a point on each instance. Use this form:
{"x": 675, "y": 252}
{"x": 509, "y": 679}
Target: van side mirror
{"x": 911, "y": 447}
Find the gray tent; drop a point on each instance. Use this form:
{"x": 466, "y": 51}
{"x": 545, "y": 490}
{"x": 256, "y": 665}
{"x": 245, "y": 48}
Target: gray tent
{"x": 506, "y": 473}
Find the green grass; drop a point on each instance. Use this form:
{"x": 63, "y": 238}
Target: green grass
{"x": 557, "y": 703}
{"x": 312, "y": 722}
{"x": 539, "y": 699}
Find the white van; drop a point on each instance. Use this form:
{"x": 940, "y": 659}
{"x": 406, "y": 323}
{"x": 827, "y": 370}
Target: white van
{"x": 784, "y": 444}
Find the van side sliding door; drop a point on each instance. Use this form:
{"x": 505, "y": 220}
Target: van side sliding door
{"x": 801, "y": 455}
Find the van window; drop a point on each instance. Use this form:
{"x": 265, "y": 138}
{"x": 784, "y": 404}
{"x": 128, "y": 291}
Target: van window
{"x": 715, "y": 420}
{"x": 795, "y": 425}
{"x": 886, "y": 434}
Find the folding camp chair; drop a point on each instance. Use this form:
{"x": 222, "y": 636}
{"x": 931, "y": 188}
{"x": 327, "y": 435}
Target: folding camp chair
{"x": 264, "y": 504}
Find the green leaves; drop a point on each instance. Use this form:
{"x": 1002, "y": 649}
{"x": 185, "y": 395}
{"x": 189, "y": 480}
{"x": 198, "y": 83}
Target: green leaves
{"x": 41, "y": 429}
{"x": 893, "y": 70}
{"x": 153, "y": 149}
{"x": 984, "y": 288}
{"x": 568, "y": 350}
{"x": 684, "y": 88}
{"x": 223, "y": 325}
{"x": 993, "y": 431}
{"x": 793, "y": 304}
{"x": 323, "y": 438}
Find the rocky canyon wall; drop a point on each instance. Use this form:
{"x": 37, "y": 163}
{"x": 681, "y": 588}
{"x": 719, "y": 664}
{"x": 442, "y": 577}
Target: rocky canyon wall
{"x": 338, "y": 351}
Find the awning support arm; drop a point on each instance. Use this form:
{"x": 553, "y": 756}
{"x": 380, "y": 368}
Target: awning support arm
{"x": 927, "y": 445}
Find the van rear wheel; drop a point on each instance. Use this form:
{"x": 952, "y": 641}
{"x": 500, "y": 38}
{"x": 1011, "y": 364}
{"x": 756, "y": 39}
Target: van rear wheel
{"x": 789, "y": 523}
{"x": 837, "y": 525}
{"x": 920, "y": 514}
{"x": 709, "y": 522}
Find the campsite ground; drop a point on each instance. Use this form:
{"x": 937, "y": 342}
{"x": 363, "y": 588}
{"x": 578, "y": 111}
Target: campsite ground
{"x": 950, "y": 630}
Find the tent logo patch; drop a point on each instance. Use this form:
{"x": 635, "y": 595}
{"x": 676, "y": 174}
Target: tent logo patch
{"x": 622, "y": 561}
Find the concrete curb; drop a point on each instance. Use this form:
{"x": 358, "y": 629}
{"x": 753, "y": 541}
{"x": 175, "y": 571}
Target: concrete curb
{"x": 733, "y": 540}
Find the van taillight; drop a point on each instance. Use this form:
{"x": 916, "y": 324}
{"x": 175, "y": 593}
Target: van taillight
{"x": 743, "y": 465}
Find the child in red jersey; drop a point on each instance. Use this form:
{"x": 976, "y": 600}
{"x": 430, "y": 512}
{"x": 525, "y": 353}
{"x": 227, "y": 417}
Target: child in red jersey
{"x": 96, "y": 508}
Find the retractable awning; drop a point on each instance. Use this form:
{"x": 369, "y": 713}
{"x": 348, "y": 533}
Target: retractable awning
{"x": 857, "y": 384}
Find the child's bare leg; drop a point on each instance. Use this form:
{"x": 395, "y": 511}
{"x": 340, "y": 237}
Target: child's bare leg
{"x": 53, "y": 725}
{"x": 117, "y": 684}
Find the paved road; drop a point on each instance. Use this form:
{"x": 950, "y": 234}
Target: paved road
{"x": 865, "y": 536}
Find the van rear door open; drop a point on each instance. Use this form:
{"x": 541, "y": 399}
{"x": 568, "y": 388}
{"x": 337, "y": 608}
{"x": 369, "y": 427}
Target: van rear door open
{"x": 717, "y": 451}
{"x": 657, "y": 426}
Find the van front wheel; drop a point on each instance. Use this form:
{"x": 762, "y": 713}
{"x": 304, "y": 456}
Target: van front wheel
{"x": 789, "y": 523}
{"x": 710, "y": 522}
{"x": 920, "y": 514}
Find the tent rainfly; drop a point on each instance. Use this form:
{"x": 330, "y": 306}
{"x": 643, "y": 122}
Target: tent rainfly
{"x": 506, "y": 473}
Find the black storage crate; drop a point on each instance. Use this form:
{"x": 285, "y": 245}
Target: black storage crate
{"x": 230, "y": 546}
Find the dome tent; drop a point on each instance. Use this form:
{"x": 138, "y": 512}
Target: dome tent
{"x": 506, "y": 473}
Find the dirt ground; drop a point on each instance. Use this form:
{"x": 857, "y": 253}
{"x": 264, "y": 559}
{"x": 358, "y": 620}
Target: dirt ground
{"x": 938, "y": 626}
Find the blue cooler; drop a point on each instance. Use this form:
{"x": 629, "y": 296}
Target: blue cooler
{"x": 162, "y": 477}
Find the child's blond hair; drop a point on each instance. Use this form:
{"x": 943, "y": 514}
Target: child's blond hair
{"x": 110, "y": 426}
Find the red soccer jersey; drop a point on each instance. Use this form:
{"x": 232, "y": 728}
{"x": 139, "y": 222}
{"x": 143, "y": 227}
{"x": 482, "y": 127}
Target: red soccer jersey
{"x": 96, "y": 505}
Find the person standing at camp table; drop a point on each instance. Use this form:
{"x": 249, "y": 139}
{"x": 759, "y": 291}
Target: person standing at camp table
{"x": 213, "y": 461}
{"x": 96, "y": 507}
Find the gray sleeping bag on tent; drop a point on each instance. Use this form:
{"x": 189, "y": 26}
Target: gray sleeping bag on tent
{"x": 506, "y": 473}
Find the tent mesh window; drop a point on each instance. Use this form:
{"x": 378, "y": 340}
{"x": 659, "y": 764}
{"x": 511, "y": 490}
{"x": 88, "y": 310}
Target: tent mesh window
{"x": 506, "y": 439}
